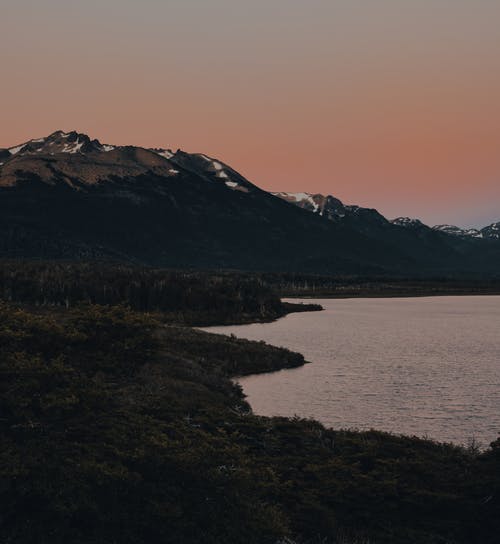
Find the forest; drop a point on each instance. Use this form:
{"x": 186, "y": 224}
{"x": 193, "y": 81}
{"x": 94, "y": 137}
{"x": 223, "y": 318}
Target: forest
{"x": 121, "y": 426}
{"x": 187, "y": 297}
{"x": 342, "y": 286}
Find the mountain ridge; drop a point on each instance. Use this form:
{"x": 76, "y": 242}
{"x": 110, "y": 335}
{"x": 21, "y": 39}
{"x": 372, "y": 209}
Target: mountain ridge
{"x": 69, "y": 196}
{"x": 335, "y": 209}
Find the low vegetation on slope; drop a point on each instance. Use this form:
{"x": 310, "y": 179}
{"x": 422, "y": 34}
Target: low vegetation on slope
{"x": 118, "y": 428}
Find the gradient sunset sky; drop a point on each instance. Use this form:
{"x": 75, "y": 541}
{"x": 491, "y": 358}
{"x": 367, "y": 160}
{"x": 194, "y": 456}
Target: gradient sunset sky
{"x": 393, "y": 104}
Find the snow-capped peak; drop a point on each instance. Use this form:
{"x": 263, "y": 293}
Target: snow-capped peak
{"x": 328, "y": 206}
{"x": 491, "y": 231}
{"x": 407, "y": 222}
{"x": 457, "y": 231}
{"x": 60, "y": 142}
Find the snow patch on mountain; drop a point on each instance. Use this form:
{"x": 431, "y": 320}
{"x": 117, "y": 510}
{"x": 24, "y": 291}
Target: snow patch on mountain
{"x": 72, "y": 148}
{"x": 457, "y": 231}
{"x": 407, "y": 222}
{"x": 106, "y": 148}
{"x": 223, "y": 173}
{"x": 165, "y": 153}
{"x": 303, "y": 199}
{"x": 15, "y": 150}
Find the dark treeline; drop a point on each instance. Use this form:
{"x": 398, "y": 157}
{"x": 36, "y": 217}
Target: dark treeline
{"x": 190, "y": 297}
{"x": 203, "y": 297}
{"x": 307, "y": 285}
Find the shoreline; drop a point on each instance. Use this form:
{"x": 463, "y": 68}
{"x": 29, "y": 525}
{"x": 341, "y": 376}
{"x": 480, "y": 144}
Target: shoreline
{"x": 240, "y": 378}
{"x": 163, "y": 411}
{"x": 371, "y": 294}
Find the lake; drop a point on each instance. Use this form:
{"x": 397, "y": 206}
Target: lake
{"x": 426, "y": 366}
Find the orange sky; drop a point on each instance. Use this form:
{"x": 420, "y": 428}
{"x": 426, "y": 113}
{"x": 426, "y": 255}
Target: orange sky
{"x": 384, "y": 103}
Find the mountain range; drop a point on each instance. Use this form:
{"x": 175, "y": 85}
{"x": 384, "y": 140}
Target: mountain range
{"x": 335, "y": 210}
{"x": 66, "y": 196}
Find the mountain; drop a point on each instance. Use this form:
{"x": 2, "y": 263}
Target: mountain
{"x": 331, "y": 208}
{"x": 326, "y": 206}
{"x": 437, "y": 247}
{"x": 335, "y": 210}
{"x": 491, "y": 232}
{"x": 365, "y": 220}
{"x": 408, "y": 222}
{"x": 67, "y": 196}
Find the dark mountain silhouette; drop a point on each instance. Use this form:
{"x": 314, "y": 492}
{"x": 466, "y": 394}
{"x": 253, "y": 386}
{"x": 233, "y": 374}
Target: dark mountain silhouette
{"x": 69, "y": 197}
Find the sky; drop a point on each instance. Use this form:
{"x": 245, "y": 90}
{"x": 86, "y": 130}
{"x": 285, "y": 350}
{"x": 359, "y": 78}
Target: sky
{"x": 391, "y": 104}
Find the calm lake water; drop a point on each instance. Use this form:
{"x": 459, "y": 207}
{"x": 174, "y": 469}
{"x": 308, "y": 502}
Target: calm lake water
{"x": 420, "y": 366}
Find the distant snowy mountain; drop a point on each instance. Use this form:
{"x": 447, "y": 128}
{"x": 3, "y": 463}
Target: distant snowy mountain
{"x": 60, "y": 142}
{"x": 328, "y": 206}
{"x": 404, "y": 234}
{"x": 491, "y": 232}
{"x": 407, "y": 222}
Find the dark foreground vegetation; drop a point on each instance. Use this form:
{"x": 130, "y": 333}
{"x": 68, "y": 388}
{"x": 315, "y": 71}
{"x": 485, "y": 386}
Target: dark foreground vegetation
{"x": 117, "y": 428}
